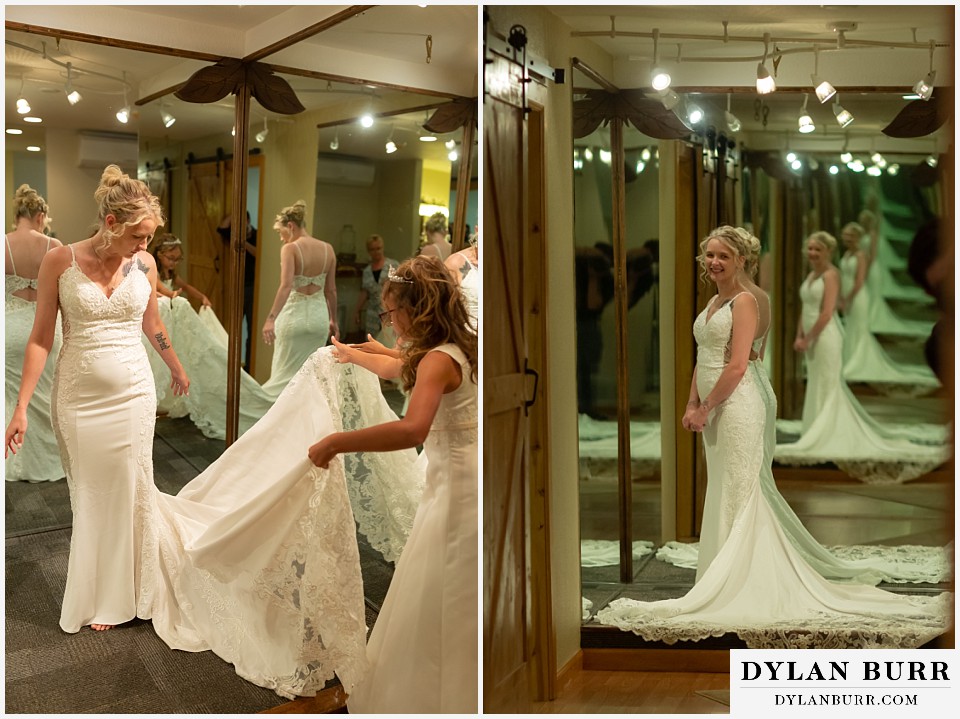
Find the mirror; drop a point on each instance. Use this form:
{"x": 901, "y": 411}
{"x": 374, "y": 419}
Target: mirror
{"x": 599, "y": 374}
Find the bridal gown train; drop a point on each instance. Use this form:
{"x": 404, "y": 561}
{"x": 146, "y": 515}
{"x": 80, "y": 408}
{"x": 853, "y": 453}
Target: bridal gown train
{"x": 836, "y": 428}
{"x": 255, "y": 559}
{"x": 757, "y": 584}
{"x": 38, "y": 460}
{"x": 423, "y": 648}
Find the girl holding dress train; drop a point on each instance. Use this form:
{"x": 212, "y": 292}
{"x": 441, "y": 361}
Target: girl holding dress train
{"x": 423, "y": 648}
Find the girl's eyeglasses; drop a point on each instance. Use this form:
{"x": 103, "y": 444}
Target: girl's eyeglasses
{"x": 386, "y": 318}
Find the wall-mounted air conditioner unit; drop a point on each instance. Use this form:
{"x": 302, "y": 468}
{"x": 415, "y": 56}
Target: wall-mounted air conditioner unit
{"x": 345, "y": 171}
{"x": 99, "y": 149}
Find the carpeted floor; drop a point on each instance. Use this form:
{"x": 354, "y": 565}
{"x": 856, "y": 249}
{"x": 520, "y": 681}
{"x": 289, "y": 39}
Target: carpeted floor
{"x": 127, "y": 669}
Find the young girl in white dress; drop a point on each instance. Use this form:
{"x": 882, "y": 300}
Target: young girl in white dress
{"x": 423, "y": 648}
{"x": 26, "y": 247}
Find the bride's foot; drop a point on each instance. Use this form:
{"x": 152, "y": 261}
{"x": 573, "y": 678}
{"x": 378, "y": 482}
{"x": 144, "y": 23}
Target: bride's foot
{"x": 101, "y": 627}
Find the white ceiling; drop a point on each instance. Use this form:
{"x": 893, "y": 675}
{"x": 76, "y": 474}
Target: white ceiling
{"x": 707, "y": 63}
{"x": 385, "y": 44}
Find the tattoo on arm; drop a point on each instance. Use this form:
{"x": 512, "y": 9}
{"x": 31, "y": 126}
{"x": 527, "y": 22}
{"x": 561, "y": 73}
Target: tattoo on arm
{"x": 464, "y": 269}
{"x": 161, "y": 341}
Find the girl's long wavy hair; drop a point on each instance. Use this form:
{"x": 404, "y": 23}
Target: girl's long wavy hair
{"x": 425, "y": 289}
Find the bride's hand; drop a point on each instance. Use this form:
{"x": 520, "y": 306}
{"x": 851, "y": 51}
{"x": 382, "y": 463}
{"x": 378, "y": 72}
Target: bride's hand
{"x": 688, "y": 416}
{"x": 16, "y": 430}
{"x": 322, "y": 452}
{"x": 179, "y": 382}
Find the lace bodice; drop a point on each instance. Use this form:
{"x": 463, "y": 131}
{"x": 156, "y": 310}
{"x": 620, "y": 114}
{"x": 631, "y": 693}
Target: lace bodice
{"x": 848, "y": 272}
{"x": 470, "y": 286}
{"x": 456, "y": 418}
{"x": 713, "y": 336}
{"x": 91, "y": 319}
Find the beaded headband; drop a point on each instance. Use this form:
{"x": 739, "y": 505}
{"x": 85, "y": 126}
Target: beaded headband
{"x": 394, "y": 277}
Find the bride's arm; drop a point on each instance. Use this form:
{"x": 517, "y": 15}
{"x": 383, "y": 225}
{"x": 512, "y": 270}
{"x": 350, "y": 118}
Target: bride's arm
{"x": 436, "y": 374}
{"x": 155, "y": 330}
{"x": 693, "y": 404}
{"x": 746, "y": 315}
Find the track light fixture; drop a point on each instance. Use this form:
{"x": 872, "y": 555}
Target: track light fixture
{"x": 694, "y": 113}
{"x": 844, "y": 117}
{"x": 23, "y": 107}
{"x": 659, "y": 78}
{"x": 823, "y": 88}
{"x": 733, "y": 123}
{"x": 669, "y": 99}
{"x": 805, "y": 123}
{"x": 73, "y": 97}
{"x": 924, "y": 87}
{"x": 262, "y": 135}
{"x": 166, "y": 117}
{"x": 123, "y": 114}
{"x": 335, "y": 142}
{"x": 765, "y": 82}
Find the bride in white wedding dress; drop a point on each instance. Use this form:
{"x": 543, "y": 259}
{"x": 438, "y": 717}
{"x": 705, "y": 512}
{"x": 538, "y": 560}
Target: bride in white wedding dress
{"x": 423, "y": 648}
{"x": 751, "y": 580}
{"x": 863, "y": 564}
{"x": 25, "y": 248}
{"x": 256, "y": 559}
{"x": 834, "y": 426}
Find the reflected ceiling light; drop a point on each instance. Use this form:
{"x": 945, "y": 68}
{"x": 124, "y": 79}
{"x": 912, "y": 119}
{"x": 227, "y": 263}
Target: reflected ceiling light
{"x": 879, "y": 160}
{"x": 73, "y": 97}
{"x": 893, "y": 169}
{"x": 233, "y": 130}
{"x": 791, "y": 157}
{"x": 33, "y": 119}
{"x": 14, "y": 131}
{"x": 874, "y": 171}
{"x": 390, "y": 147}
{"x": 605, "y": 156}
{"x": 123, "y": 114}
{"x": 262, "y": 135}
{"x": 450, "y": 144}
{"x": 694, "y": 113}
{"x": 846, "y": 157}
{"x": 932, "y": 160}
{"x": 641, "y": 166}
{"x": 834, "y": 170}
{"x": 805, "y": 122}
{"x": 588, "y": 155}
{"x": 659, "y": 78}
{"x": 669, "y": 99}
{"x": 796, "y": 164}
{"x": 856, "y": 166}
{"x": 924, "y": 87}
{"x": 335, "y": 142}
{"x": 23, "y": 107}
{"x": 911, "y": 96}
{"x": 428, "y": 138}
{"x": 452, "y": 156}
{"x": 823, "y": 88}
{"x": 844, "y": 117}
{"x": 733, "y": 123}
{"x": 765, "y": 81}
{"x": 366, "y": 121}
{"x": 645, "y": 154}
{"x": 166, "y": 117}
{"x": 33, "y": 148}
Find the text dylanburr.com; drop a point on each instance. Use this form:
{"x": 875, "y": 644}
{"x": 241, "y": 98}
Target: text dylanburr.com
{"x": 856, "y": 682}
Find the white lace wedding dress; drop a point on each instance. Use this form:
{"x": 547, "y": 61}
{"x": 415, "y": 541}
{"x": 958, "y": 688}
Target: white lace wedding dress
{"x": 255, "y": 559}
{"x": 38, "y": 460}
{"x": 756, "y": 584}
{"x": 423, "y": 648}
{"x": 836, "y": 428}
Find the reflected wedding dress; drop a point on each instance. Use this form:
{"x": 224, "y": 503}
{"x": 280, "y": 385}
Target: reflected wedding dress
{"x": 38, "y": 460}
{"x": 423, "y": 648}
{"x": 255, "y": 559}
{"x": 757, "y": 584}
{"x": 864, "y": 359}
{"x": 836, "y": 428}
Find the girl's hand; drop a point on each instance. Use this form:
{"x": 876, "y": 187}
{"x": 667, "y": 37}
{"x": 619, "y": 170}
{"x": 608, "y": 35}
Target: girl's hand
{"x": 322, "y": 452}
{"x": 16, "y": 430}
{"x": 179, "y": 382}
{"x": 372, "y": 346}
{"x": 268, "y": 333}
{"x": 334, "y": 330}
{"x": 205, "y": 301}
{"x": 345, "y": 354}
{"x": 800, "y": 344}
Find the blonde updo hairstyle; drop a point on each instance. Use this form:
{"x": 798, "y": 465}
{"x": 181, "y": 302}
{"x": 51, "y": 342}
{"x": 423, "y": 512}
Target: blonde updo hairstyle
{"x": 826, "y": 240}
{"x": 437, "y": 222}
{"x": 373, "y": 239}
{"x": 28, "y": 203}
{"x": 738, "y": 240}
{"x": 423, "y": 287}
{"x": 296, "y": 214}
{"x": 128, "y": 200}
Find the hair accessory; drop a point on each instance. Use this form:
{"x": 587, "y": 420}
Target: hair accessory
{"x": 394, "y": 277}
{"x": 170, "y": 243}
